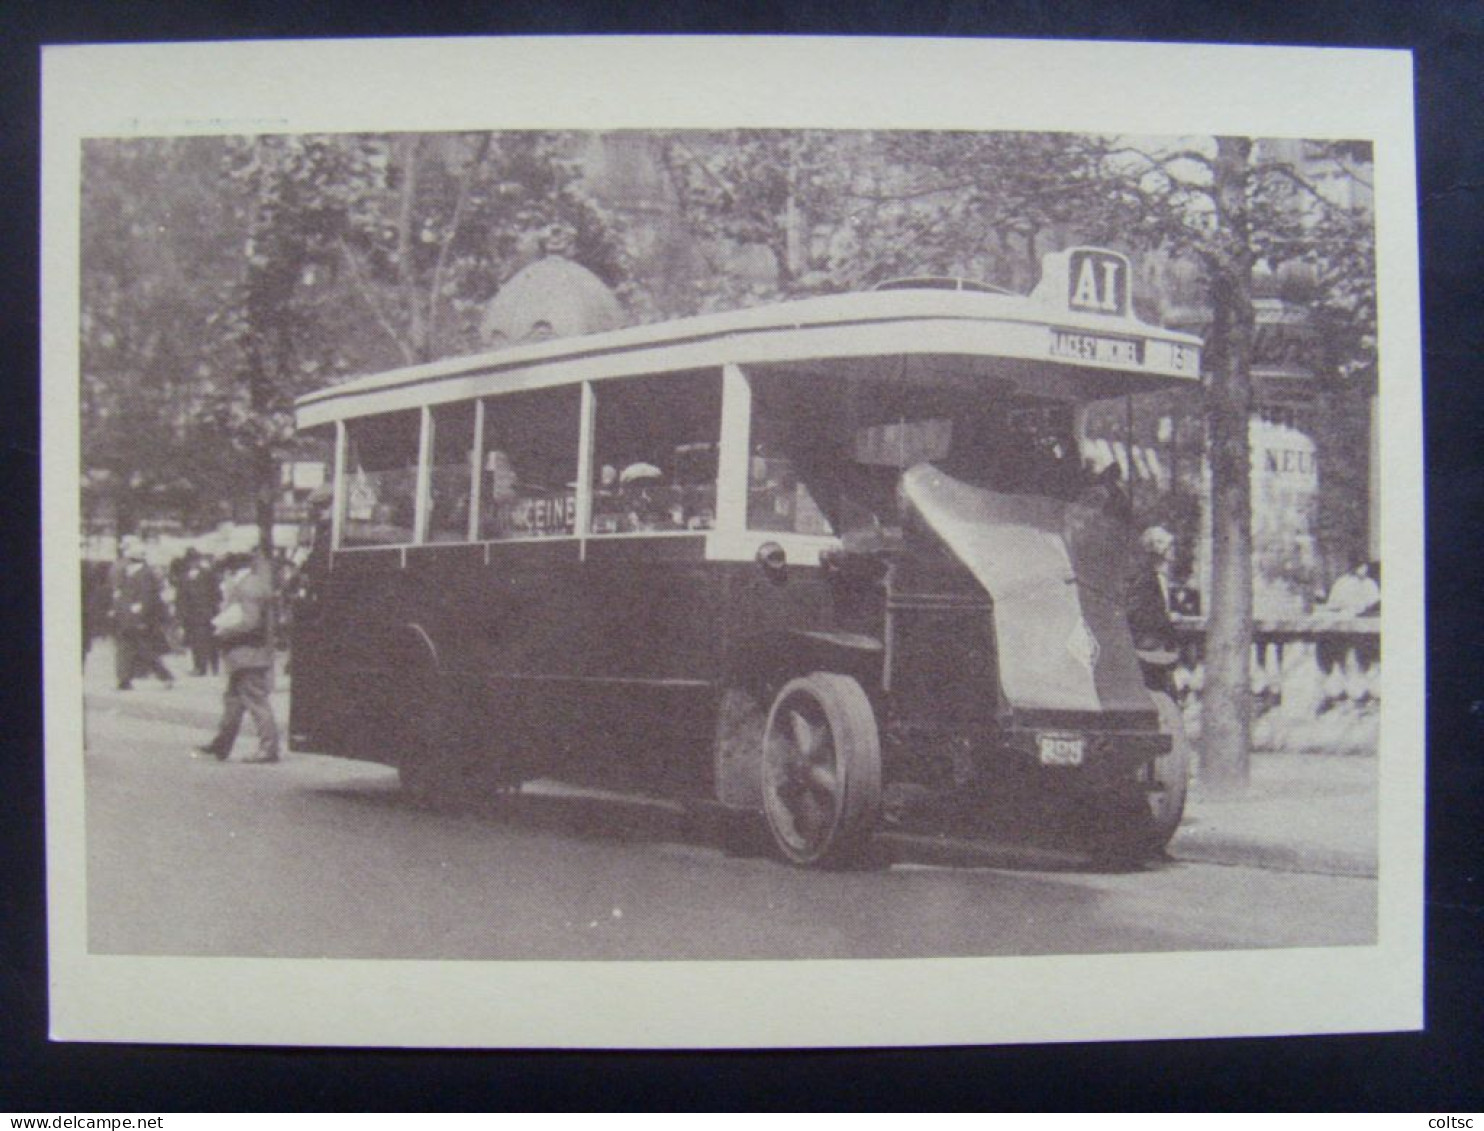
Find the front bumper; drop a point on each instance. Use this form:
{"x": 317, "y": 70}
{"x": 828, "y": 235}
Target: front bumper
{"x": 1105, "y": 757}
{"x": 1104, "y": 753}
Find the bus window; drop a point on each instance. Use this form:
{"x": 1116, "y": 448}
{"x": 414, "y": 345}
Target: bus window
{"x": 827, "y": 453}
{"x": 381, "y": 479}
{"x": 449, "y": 479}
{"x": 801, "y": 479}
{"x": 529, "y": 464}
{"x": 780, "y": 489}
{"x": 655, "y": 454}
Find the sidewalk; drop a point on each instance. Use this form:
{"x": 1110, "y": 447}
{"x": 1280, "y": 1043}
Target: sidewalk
{"x": 1301, "y": 813}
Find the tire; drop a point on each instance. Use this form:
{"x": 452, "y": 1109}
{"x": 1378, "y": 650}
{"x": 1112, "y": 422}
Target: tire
{"x": 434, "y": 756}
{"x": 1170, "y": 771}
{"x": 420, "y": 727}
{"x": 821, "y": 770}
{"x": 1139, "y": 826}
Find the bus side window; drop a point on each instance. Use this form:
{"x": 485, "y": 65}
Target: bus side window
{"x": 795, "y": 466}
{"x": 449, "y": 482}
{"x": 655, "y": 454}
{"x": 381, "y": 479}
{"x": 529, "y": 464}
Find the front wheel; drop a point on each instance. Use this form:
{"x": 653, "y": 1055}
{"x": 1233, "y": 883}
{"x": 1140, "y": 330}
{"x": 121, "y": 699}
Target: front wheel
{"x": 821, "y": 771}
{"x": 1141, "y": 826}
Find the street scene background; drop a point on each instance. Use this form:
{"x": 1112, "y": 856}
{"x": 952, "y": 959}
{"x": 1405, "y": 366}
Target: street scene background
{"x": 222, "y": 277}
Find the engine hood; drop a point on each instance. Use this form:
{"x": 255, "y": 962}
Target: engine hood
{"x": 1055, "y": 573}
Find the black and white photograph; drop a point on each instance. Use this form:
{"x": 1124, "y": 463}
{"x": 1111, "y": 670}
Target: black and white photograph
{"x": 580, "y": 570}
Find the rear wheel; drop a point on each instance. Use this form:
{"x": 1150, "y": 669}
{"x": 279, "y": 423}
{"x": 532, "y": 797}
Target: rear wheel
{"x": 420, "y": 726}
{"x": 436, "y": 754}
{"x": 821, "y": 770}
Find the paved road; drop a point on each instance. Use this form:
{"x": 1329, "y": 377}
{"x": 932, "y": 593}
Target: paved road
{"x": 321, "y": 857}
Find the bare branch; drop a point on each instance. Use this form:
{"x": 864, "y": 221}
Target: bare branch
{"x": 908, "y": 194}
{"x": 1287, "y": 172}
{"x": 711, "y": 173}
{"x": 460, "y": 207}
{"x": 363, "y": 288}
{"x": 1162, "y": 163}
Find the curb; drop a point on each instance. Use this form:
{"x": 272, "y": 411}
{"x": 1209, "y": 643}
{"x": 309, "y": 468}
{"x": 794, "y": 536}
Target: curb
{"x": 1193, "y": 846}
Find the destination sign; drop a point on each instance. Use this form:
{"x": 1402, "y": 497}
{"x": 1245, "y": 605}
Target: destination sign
{"x": 1097, "y": 281}
{"x": 1097, "y": 347}
{"x": 1185, "y": 359}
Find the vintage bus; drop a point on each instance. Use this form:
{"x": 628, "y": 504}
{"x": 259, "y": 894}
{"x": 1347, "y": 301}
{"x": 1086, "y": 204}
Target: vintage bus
{"x": 783, "y": 559}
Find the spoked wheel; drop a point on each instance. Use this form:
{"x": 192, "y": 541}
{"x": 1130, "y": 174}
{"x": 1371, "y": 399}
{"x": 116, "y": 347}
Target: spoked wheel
{"x": 821, "y": 769}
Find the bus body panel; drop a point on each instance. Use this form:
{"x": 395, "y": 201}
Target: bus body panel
{"x": 578, "y": 641}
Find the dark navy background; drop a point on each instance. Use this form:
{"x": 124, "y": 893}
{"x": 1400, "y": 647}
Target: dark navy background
{"x": 1440, "y": 1070}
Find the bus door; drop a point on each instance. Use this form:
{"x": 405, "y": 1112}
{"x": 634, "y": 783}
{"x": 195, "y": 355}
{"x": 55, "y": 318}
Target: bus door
{"x": 651, "y": 604}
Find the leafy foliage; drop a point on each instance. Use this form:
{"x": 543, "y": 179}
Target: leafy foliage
{"x": 222, "y": 278}
{"x": 154, "y": 248}
{"x": 844, "y": 211}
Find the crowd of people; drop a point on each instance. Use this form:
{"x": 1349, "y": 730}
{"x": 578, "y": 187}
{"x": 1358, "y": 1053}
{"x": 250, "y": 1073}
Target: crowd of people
{"x": 226, "y": 614}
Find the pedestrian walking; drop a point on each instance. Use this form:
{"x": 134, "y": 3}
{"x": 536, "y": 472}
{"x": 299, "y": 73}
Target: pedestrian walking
{"x": 244, "y": 629}
{"x": 139, "y": 619}
{"x": 198, "y": 601}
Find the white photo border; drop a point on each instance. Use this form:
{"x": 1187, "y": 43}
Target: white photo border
{"x": 677, "y": 82}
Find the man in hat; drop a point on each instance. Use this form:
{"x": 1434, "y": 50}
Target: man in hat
{"x": 244, "y": 629}
{"x": 199, "y": 600}
{"x": 139, "y": 615}
{"x": 1149, "y": 600}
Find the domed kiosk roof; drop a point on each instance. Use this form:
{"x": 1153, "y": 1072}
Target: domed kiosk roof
{"x": 551, "y": 298}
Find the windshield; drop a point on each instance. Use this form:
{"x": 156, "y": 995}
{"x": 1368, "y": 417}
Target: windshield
{"x": 827, "y": 452}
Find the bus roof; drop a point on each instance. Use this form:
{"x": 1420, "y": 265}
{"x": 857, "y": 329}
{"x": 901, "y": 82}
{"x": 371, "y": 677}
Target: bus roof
{"x": 1048, "y": 334}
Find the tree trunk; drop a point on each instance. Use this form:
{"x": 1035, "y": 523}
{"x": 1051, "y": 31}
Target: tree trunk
{"x": 265, "y": 491}
{"x": 792, "y": 250}
{"x": 417, "y": 331}
{"x": 1226, "y": 702}
{"x": 125, "y": 512}
{"x": 265, "y": 360}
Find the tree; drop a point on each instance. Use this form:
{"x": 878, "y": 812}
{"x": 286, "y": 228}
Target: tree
{"x": 453, "y": 217}
{"x": 1234, "y": 213}
{"x": 1226, "y": 702}
{"x": 295, "y": 196}
{"x": 782, "y": 192}
{"x": 989, "y": 205}
{"x": 365, "y": 251}
{"x": 155, "y": 241}
{"x": 844, "y": 211}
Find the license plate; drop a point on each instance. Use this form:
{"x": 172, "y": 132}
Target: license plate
{"x": 1060, "y": 749}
